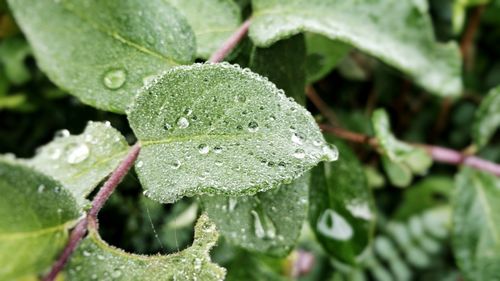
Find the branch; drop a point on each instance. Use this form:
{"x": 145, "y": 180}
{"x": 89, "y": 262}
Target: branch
{"x": 230, "y": 43}
{"x": 438, "y": 153}
{"x": 470, "y": 33}
{"x": 91, "y": 219}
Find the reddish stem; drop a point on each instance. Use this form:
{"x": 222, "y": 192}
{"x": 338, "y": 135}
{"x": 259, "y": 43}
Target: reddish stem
{"x": 90, "y": 220}
{"x": 470, "y": 33}
{"x": 230, "y": 43}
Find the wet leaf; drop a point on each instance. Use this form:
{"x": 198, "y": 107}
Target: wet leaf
{"x": 341, "y": 211}
{"x": 212, "y": 21}
{"x": 476, "y": 225}
{"x": 487, "y": 118}
{"x": 100, "y": 261}
{"x": 397, "y": 32}
{"x": 35, "y": 213}
{"x": 104, "y": 51}
{"x": 81, "y": 162}
{"x": 219, "y": 129}
{"x": 267, "y": 222}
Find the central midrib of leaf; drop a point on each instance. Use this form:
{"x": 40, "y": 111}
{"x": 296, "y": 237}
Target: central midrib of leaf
{"x": 94, "y": 167}
{"x": 185, "y": 138}
{"x": 118, "y": 37}
{"x": 39, "y": 232}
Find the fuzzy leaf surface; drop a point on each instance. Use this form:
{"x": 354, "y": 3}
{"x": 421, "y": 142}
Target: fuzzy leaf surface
{"x": 476, "y": 225}
{"x": 104, "y": 262}
{"x": 81, "y": 162}
{"x": 212, "y": 21}
{"x": 36, "y": 213}
{"x": 219, "y": 129}
{"x": 398, "y": 33}
{"x": 104, "y": 51}
{"x": 266, "y": 222}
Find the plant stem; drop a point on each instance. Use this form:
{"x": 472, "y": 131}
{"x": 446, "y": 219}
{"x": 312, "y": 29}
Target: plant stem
{"x": 470, "y": 33}
{"x": 230, "y": 43}
{"x": 91, "y": 218}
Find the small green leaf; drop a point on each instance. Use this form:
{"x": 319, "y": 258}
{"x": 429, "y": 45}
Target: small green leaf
{"x": 212, "y": 21}
{"x": 341, "y": 206}
{"x": 104, "y": 51}
{"x": 400, "y": 160}
{"x": 283, "y": 64}
{"x": 13, "y": 54}
{"x": 100, "y": 261}
{"x": 82, "y": 161}
{"x": 476, "y": 225}
{"x": 397, "y": 32}
{"x": 487, "y": 118}
{"x": 267, "y": 222}
{"x": 323, "y": 55}
{"x": 219, "y": 129}
{"x": 35, "y": 213}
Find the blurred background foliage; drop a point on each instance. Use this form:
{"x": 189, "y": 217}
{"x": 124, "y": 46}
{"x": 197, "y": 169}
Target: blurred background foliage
{"x": 411, "y": 239}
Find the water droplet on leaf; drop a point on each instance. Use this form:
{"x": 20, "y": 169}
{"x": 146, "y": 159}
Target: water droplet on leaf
{"x": 114, "y": 79}
{"x": 253, "y": 126}
{"x": 203, "y": 148}
{"x": 182, "y": 123}
{"x": 77, "y": 153}
{"x": 299, "y": 154}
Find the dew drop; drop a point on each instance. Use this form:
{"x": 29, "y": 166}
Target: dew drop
{"x": 55, "y": 153}
{"x": 333, "y": 225}
{"x": 41, "y": 188}
{"x": 240, "y": 98}
{"x": 188, "y": 111}
{"x": 297, "y": 139}
{"x": 197, "y": 264}
{"x": 77, "y": 153}
{"x": 257, "y": 224}
{"x": 114, "y": 79}
{"x": 167, "y": 126}
{"x": 182, "y": 123}
{"x": 62, "y": 134}
{"x": 116, "y": 274}
{"x": 317, "y": 142}
{"x": 176, "y": 164}
{"x": 331, "y": 152}
{"x": 139, "y": 164}
{"x": 218, "y": 163}
{"x": 217, "y": 149}
{"x": 231, "y": 203}
{"x": 299, "y": 154}
{"x": 253, "y": 126}
{"x": 86, "y": 254}
{"x": 203, "y": 148}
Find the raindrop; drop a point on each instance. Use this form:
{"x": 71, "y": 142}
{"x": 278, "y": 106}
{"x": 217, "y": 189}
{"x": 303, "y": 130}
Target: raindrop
{"x": 218, "y": 163}
{"x": 253, "y": 126}
{"x": 217, "y": 149}
{"x": 331, "y": 152}
{"x": 297, "y": 139}
{"x": 139, "y": 164}
{"x": 333, "y": 225}
{"x": 257, "y": 224}
{"x": 240, "y": 98}
{"x": 182, "y": 123}
{"x": 176, "y": 164}
{"x": 55, "y": 153}
{"x": 41, "y": 188}
{"x": 317, "y": 142}
{"x": 167, "y": 126}
{"x": 299, "y": 154}
{"x": 203, "y": 148}
{"x": 231, "y": 204}
{"x": 188, "y": 111}
{"x": 77, "y": 153}
{"x": 86, "y": 254}
{"x": 197, "y": 264}
{"x": 62, "y": 134}
{"x": 116, "y": 274}
{"x": 114, "y": 79}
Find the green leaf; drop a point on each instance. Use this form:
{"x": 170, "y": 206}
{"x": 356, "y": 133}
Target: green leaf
{"x": 283, "y": 64}
{"x": 219, "y": 129}
{"x": 341, "y": 209}
{"x": 104, "y": 51}
{"x": 323, "y": 55}
{"x": 82, "y": 161}
{"x": 13, "y": 54}
{"x": 397, "y": 32}
{"x": 400, "y": 160}
{"x": 267, "y": 222}
{"x": 212, "y": 21}
{"x": 487, "y": 118}
{"x": 476, "y": 225}
{"x": 100, "y": 261}
{"x": 35, "y": 213}
{"x": 460, "y": 12}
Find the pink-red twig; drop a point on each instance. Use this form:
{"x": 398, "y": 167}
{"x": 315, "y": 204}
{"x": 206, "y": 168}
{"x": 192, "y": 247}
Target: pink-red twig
{"x": 230, "y": 43}
{"x": 90, "y": 220}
